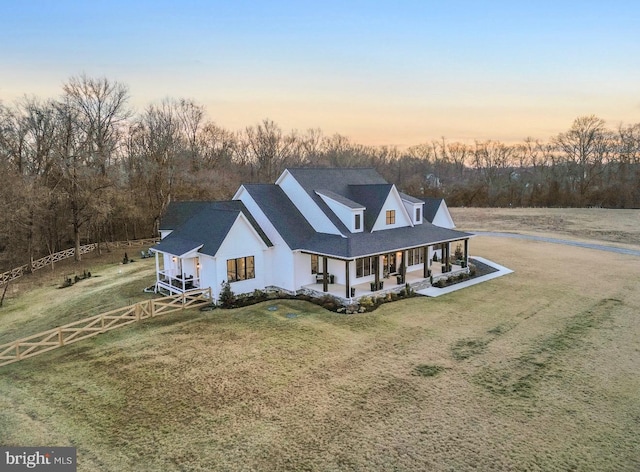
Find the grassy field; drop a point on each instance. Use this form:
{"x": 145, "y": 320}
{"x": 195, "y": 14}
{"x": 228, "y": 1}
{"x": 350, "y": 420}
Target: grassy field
{"x": 534, "y": 371}
{"x": 612, "y": 226}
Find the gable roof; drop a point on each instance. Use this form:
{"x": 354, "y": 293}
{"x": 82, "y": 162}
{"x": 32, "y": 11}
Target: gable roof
{"x": 372, "y": 196}
{"x": 345, "y": 182}
{"x": 431, "y": 206}
{"x": 282, "y": 213}
{"x": 204, "y": 226}
{"x": 298, "y": 234}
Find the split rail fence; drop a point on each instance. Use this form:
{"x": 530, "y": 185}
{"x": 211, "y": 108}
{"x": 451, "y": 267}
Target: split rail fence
{"x": 13, "y": 274}
{"x": 95, "y": 325}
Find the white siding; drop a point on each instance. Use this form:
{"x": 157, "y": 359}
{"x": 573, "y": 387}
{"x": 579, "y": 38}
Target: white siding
{"x": 346, "y": 214}
{"x": 209, "y": 275}
{"x": 411, "y": 210}
{"x": 443, "y": 217}
{"x": 279, "y": 260}
{"x": 305, "y": 204}
{"x": 241, "y": 241}
{"x": 302, "y": 270}
{"x": 393, "y": 202}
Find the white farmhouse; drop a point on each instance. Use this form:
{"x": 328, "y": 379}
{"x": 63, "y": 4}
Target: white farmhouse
{"x": 344, "y": 232}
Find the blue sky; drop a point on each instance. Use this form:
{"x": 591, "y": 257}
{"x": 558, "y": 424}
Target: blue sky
{"x": 400, "y": 72}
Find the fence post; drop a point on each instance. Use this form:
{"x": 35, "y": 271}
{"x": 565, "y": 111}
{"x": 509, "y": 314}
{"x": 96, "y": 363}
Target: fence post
{"x": 60, "y": 340}
{"x": 18, "y": 350}
{"x": 152, "y": 308}
{"x": 102, "y": 323}
{"x": 137, "y": 310}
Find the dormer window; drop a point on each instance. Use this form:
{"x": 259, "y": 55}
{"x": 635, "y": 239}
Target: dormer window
{"x": 418, "y": 215}
{"x": 358, "y": 222}
{"x": 391, "y": 217}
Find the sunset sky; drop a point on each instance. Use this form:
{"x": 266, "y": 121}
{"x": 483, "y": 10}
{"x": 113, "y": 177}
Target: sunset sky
{"x": 396, "y": 72}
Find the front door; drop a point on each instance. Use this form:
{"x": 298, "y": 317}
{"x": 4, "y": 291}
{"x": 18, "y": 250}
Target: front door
{"x": 389, "y": 263}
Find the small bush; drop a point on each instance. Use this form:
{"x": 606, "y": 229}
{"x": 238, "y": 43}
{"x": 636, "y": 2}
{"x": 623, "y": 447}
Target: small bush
{"x": 472, "y": 269}
{"x": 366, "y": 302}
{"x": 227, "y": 297}
{"x": 426, "y": 370}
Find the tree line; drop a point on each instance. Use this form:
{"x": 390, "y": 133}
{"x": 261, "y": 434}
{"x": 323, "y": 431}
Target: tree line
{"x": 84, "y": 167}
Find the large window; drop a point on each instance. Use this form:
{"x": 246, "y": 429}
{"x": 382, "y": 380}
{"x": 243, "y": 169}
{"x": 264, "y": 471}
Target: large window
{"x": 314, "y": 263}
{"x": 415, "y": 256}
{"x": 391, "y": 217}
{"x": 365, "y": 266}
{"x": 242, "y": 268}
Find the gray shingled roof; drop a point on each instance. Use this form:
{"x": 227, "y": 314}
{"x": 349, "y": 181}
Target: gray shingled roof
{"x": 300, "y": 235}
{"x": 207, "y": 223}
{"x": 431, "y": 206}
{"x": 371, "y": 196}
{"x": 336, "y": 180}
{"x": 204, "y": 224}
{"x": 282, "y": 213}
{"x": 341, "y": 199}
{"x": 378, "y": 242}
{"x": 409, "y": 198}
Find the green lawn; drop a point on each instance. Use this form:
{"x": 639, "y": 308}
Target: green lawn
{"x": 534, "y": 371}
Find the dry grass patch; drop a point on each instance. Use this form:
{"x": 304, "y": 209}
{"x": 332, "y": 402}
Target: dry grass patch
{"x": 593, "y": 224}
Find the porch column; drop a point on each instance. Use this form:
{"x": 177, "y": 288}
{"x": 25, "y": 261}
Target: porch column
{"x": 157, "y": 268}
{"x": 182, "y": 276}
{"x": 325, "y": 276}
{"x": 425, "y": 259}
{"x": 443, "y": 254}
{"x": 466, "y": 252}
{"x": 346, "y": 277}
{"x": 403, "y": 271}
{"x": 448, "y": 257}
{"x": 377, "y": 271}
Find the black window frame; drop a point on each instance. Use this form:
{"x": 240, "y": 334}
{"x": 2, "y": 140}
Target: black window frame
{"x": 365, "y": 266}
{"x": 241, "y": 268}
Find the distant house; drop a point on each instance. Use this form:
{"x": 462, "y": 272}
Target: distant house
{"x": 344, "y": 232}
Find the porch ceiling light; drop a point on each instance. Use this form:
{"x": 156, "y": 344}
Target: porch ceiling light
{"x": 174, "y": 258}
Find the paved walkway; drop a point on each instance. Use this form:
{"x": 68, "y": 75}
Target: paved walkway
{"x": 599, "y": 247}
{"x": 436, "y": 292}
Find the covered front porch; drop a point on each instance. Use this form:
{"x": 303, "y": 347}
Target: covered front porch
{"x": 176, "y": 274}
{"x": 389, "y": 284}
{"x": 389, "y": 272}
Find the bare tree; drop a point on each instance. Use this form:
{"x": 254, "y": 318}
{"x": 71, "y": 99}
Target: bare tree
{"x": 100, "y": 109}
{"x": 585, "y": 147}
{"x": 270, "y": 147}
